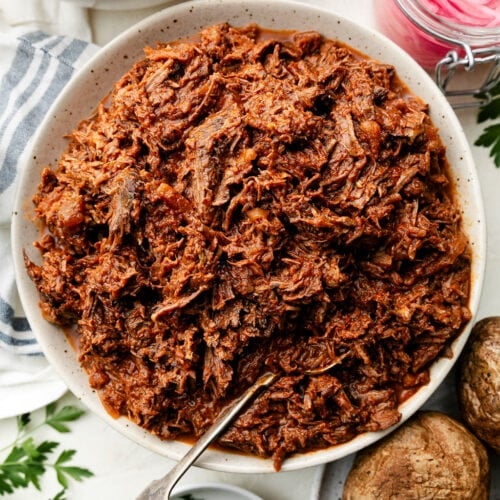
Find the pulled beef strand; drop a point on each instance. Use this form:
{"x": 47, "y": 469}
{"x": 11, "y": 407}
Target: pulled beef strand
{"x": 242, "y": 203}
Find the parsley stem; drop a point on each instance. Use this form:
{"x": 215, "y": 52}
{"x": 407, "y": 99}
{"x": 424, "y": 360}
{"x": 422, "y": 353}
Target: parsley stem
{"x": 21, "y": 434}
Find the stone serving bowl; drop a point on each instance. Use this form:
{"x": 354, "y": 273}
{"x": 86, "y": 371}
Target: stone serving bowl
{"x": 92, "y": 83}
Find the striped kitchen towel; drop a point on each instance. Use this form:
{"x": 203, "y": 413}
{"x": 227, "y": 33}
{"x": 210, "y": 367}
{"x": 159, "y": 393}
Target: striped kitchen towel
{"x": 34, "y": 67}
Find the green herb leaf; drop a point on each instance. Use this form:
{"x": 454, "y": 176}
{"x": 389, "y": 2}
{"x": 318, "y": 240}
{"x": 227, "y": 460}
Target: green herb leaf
{"x": 47, "y": 447}
{"x": 24, "y": 465}
{"x": 496, "y": 89}
{"x": 65, "y": 414}
{"x": 65, "y": 456}
{"x": 61, "y": 495}
{"x": 50, "y": 410}
{"x": 22, "y": 421}
{"x": 489, "y": 111}
{"x": 5, "y": 486}
{"x": 64, "y": 472}
{"x": 76, "y": 473}
{"x": 491, "y": 138}
{"x": 27, "y": 460}
{"x": 61, "y": 479}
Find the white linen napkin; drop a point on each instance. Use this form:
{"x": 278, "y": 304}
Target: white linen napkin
{"x": 34, "y": 67}
{"x": 50, "y": 16}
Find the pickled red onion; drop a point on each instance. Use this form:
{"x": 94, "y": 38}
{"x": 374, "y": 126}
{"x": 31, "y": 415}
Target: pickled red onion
{"x": 481, "y": 13}
{"x": 426, "y": 49}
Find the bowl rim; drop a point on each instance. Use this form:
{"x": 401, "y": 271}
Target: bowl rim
{"x": 214, "y": 459}
{"x": 214, "y": 487}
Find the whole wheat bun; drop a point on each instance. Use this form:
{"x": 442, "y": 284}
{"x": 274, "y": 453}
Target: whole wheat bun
{"x": 430, "y": 456}
{"x": 479, "y": 382}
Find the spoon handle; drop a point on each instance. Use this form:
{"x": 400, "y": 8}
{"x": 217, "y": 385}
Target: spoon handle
{"x": 161, "y": 488}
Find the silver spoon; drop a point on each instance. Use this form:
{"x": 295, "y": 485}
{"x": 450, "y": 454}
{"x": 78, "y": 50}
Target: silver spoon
{"x": 160, "y": 489}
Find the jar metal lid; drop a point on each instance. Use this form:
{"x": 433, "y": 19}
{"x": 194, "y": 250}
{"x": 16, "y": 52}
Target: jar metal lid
{"x": 474, "y": 47}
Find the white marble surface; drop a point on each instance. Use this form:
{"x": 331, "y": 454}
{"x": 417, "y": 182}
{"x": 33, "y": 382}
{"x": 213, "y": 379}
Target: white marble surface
{"x": 122, "y": 468}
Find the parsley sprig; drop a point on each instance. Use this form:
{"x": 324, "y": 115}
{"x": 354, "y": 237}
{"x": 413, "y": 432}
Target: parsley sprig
{"x": 490, "y": 136}
{"x": 27, "y": 460}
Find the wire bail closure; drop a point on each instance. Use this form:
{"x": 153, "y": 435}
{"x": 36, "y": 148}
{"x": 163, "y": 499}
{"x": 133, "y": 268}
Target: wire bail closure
{"x": 447, "y": 67}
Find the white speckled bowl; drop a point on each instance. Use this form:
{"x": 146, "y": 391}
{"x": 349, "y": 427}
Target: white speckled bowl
{"x": 86, "y": 89}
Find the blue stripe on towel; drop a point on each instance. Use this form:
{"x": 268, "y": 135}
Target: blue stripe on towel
{"x": 11, "y": 341}
{"x": 40, "y": 66}
{"x": 8, "y": 317}
{"x": 24, "y": 56}
{"x": 15, "y": 145}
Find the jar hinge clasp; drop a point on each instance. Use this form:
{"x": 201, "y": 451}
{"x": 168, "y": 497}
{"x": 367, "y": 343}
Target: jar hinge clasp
{"x": 447, "y": 67}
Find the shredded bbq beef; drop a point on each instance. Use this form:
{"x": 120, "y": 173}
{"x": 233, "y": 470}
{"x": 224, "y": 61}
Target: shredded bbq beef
{"x": 248, "y": 201}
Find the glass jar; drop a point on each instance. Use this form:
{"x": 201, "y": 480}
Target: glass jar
{"x": 446, "y": 35}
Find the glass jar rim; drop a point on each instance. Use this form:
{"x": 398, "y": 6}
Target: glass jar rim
{"x": 448, "y": 30}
